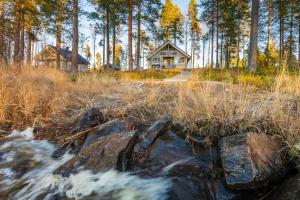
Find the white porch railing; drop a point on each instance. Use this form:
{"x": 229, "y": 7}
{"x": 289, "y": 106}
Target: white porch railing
{"x": 168, "y": 53}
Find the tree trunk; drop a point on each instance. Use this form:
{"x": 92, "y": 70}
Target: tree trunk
{"x": 9, "y": 47}
{"x": 138, "y": 45}
{"x": 203, "y": 41}
{"x": 22, "y": 41}
{"x": 227, "y": 53}
{"x": 16, "y": 33}
{"x": 114, "y": 46}
{"x": 238, "y": 47}
{"x": 175, "y": 34}
{"x": 212, "y": 32}
{"x": 29, "y": 43}
{"x": 291, "y": 35}
{"x": 186, "y": 36}
{"x": 193, "y": 49}
{"x": 103, "y": 47}
{"x": 130, "y": 59}
{"x": 75, "y": 37}
{"x": 107, "y": 38}
{"x": 299, "y": 42}
{"x": 94, "y": 48}
{"x": 281, "y": 33}
{"x": 269, "y": 33}
{"x": 58, "y": 37}
{"x": 252, "y": 61}
{"x": 221, "y": 57}
{"x": 208, "y": 53}
{"x": 2, "y": 30}
{"x": 217, "y": 37}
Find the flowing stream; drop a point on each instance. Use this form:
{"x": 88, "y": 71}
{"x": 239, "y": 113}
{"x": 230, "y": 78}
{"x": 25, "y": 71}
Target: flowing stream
{"x": 26, "y": 173}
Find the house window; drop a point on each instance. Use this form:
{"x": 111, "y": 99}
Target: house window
{"x": 181, "y": 60}
{"x": 156, "y": 60}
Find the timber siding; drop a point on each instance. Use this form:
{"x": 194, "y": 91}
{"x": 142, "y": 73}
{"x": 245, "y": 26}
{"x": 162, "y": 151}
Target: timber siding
{"x": 168, "y": 56}
{"x": 47, "y": 57}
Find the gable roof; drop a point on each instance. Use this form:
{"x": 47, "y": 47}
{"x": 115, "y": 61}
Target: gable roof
{"x": 171, "y": 44}
{"x": 66, "y": 54}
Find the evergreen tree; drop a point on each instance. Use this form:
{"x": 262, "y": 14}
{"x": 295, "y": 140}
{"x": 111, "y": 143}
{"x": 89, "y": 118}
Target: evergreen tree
{"x": 252, "y": 61}
{"x": 195, "y": 28}
{"x": 172, "y": 21}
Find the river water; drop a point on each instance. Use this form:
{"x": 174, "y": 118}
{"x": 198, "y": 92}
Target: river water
{"x": 26, "y": 173}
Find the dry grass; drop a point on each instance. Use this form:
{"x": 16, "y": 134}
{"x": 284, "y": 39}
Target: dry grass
{"x": 51, "y": 99}
{"x": 46, "y": 97}
{"x": 214, "y": 109}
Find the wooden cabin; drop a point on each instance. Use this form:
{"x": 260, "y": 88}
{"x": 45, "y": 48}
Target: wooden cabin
{"x": 168, "y": 56}
{"x": 47, "y": 57}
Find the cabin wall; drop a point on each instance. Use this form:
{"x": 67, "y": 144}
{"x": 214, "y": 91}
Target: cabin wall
{"x": 65, "y": 66}
{"x": 179, "y": 60}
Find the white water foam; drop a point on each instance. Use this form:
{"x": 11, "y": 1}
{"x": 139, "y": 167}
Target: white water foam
{"x": 39, "y": 182}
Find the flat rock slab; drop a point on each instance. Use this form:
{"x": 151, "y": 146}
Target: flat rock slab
{"x": 251, "y": 160}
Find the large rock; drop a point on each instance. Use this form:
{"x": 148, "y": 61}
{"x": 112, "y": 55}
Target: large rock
{"x": 193, "y": 176}
{"x": 88, "y": 119}
{"x": 115, "y": 126}
{"x": 111, "y": 152}
{"x": 251, "y": 160}
{"x": 156, "y": 130}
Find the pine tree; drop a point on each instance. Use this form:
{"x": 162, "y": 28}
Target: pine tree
{"x": 75, "y": 37}
{"x": 195, "y": 28}
{"x": 172, "y": 21}
{"x": 252, "y": 61}
{"x": 130, "y": 34}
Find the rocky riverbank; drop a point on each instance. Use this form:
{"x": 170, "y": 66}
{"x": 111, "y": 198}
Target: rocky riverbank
{"x": 241, "y": 166}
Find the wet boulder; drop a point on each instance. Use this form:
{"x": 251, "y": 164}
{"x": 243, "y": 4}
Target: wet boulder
{"x": 88, "y": 119}
{"x": 251, "y": 160}
{"x": 156, "y": 130}
{"x": 194, "y": 175}
{"x": 95, "y": 135}
{"x": 111, "y": 152}
{"x": 115, "y": 126}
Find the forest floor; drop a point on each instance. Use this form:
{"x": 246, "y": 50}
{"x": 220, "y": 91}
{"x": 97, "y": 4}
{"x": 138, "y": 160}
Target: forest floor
{"x": 212, "y": 103}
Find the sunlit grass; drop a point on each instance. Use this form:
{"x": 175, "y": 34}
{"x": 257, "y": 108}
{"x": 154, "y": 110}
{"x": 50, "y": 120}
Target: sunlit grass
{"x": 137, "y": 75}
{"x": 263, "y": 78}
{"x": 51, "y": 98}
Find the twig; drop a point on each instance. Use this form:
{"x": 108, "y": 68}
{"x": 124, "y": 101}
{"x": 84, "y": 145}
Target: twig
{"x": 270, "y": 192}
{"x": 81, "y": 133}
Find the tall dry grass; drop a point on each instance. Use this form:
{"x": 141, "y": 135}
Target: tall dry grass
{"x": 45, "y": 96}
{"x": 214, "y": 109}
{"x": 51, "y": 98}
